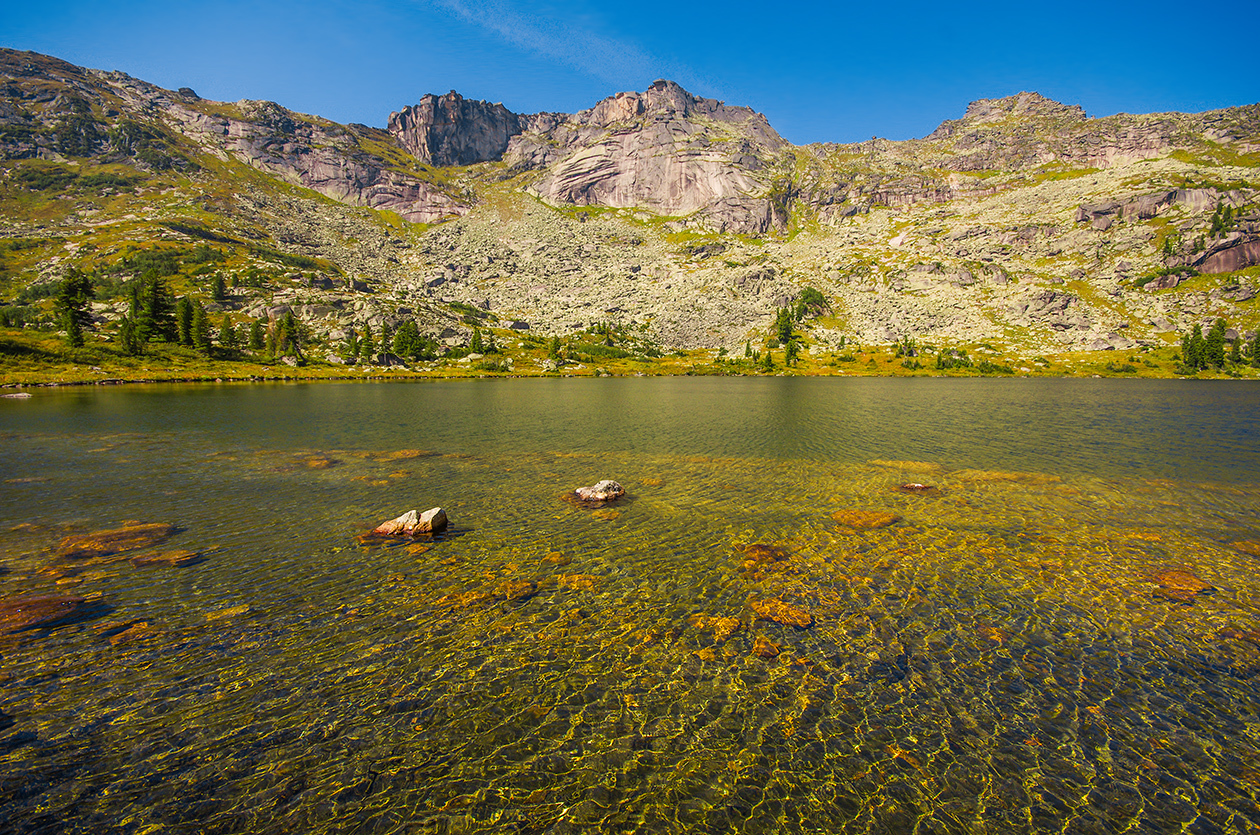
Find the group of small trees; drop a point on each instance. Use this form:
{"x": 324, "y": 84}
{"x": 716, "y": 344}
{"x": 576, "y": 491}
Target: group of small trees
{"x": 1199, "y": 351}
{"x": 407, "y": 343}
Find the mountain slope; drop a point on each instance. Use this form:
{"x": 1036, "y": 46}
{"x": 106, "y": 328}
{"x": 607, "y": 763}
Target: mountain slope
{"x": 1023, "y": 224}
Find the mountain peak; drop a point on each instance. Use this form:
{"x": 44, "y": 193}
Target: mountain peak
{"x": 987, "y": 111}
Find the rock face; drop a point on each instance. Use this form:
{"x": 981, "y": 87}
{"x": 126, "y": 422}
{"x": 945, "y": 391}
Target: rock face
{"x": 413, "y": 522}
{"x": 663, "y": 150}
{"x": 452, "y": 130}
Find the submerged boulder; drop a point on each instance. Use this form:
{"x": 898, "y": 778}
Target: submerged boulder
{"x": 865, "y": 519}
{"x": 130, "y": 537}
{"x": 19, "y": 613}
{"x": 413, "y": 522}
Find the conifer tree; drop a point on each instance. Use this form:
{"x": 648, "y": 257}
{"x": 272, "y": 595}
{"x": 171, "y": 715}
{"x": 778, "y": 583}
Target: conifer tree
{"x": 219, "y": 290}
{"x": 184, "y": 320}
{"x": 747, "y": 349}
{"x": 367, "y": 344}
{"x": 789, "y": 357}
{"x": 72, "y": 305}
{"x": 257, "y": 340}
{"x": 227, "y": 333}
{"x": 1235, "y": 350}
{"x": 350, "y": 348}
{"x": 767, "y": 362}
{"x": 128, "y": 339}
{"x": 200, "y": 328}
{"x": 475, "y": 345}
{"x": 1214, "y": 344}
{"x": 387, "y": 337}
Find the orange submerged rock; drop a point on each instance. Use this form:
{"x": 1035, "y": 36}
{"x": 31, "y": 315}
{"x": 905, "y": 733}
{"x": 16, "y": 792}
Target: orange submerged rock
{"x": 170, "y": 559}
{"x": 776, "y": 610}
{"x": 722, "y": 628}
{"x": 20, "y": 613}
{"x": 765, "y": 648}
{"x": 865, "y": 519}
{"x": 1180, "y": 585}
{"x": 115, "y": 541}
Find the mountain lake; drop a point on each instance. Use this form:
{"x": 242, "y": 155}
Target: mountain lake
{"x": 823, "y": 605}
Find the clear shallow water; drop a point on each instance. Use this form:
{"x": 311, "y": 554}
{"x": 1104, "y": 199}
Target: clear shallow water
{"x": 1002, "y": 659}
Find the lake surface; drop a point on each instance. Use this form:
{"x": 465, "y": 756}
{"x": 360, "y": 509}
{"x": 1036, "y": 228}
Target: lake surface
{"x": 1063, "y": 635}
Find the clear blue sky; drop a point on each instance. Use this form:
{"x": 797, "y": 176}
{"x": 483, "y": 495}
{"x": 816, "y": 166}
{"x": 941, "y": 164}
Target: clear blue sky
{"x": 820, "y": 71}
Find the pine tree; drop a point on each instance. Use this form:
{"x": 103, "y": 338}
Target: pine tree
{"x": 767, "y": 362}
{"x": 200, "y": 328}
{"x": 256, "y": 338}
{"x": 350, "y": 348}
{"x": 128, "y": 339}
{"x": 1235, "y": 350}
{"x": 783, "y": 325}
{"x": 184, "y": 320}
{"x": 1214, "y": 345}
{"x": 219, "y": 291}
{"x": 1194, "y": 349}
{"x": 227, "y": 333}
{"x": 270, "y": 355}
{"x": 367, "y": 344}
{"x": 475, "y": 346}
{"x": 387, "y": 337}
{"x": 289, "y": 336}
{"x": 72, "y": 305}
{"x": 747, "y": 349}
{"x": 789, "y": 358}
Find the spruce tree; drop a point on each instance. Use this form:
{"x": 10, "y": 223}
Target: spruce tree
{"x": 767, "y": 362}
{"x": 387, "y": 337}
{"x": 227, "y": 333}
{"x": 475, "y": 346}
{"x": 1235, "y": 350}
{"x": 350, "y": 348}
{"x": 747, "y": 349}
{"x": 219, "y": 291}
{"x": 128, "y": 339}
{"x": 1214, "y": 344}
{"x": 367, "y": 344}
{"x": 257, "y": 340}
{"x": 200, "y": 328}
{"x": 789, "y": 357}
{"x": 289, "y": 337}
{"x": 1194, "y": 349}
{"x": 72, "y": 305}
{"x": 184, "y": 320}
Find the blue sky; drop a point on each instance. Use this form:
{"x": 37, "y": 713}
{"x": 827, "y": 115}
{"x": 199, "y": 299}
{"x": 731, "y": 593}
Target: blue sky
{"x": 819, "y": 71}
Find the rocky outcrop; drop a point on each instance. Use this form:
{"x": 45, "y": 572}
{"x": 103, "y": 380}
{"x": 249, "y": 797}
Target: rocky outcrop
{"x": 663, "y": 150}
{"x": 452, "y": 130}
{"x": 1059, "y": 310}
{"x": 1234, "y": 252}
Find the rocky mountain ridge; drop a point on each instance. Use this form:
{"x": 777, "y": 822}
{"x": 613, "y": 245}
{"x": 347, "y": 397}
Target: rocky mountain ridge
{"x": 1024, "y": 222}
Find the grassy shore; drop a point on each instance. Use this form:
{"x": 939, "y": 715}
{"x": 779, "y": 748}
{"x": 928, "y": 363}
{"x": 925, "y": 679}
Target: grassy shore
{"x": 40, "y": 358}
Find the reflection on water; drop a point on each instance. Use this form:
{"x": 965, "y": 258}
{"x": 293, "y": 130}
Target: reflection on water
{"x": 1063, "y": 635}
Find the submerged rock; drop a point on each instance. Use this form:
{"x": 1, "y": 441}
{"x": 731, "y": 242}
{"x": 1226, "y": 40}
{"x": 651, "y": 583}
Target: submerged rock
{"x": 865, "y": 519}
{"x": 761, "y": 559}
{"x": 776, "y": 610}
{"x": 765, "y": 648}
{"x": 19, "y": 613}
{"x": 1248, "y": 546}
{"x": 169, "y": 559}
{"x": 130, "y": 537}
{"x": 722, "y": 628}
{"x": 516, "y": 589}
{"x": 1179, "y": 585}
{"x": 413, "y": 522}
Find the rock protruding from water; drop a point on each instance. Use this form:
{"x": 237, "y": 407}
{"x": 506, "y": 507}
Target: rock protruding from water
{"x": 413, "y": 522}
{"x": 19, "y": 613}
{"x": 604, "y": 491}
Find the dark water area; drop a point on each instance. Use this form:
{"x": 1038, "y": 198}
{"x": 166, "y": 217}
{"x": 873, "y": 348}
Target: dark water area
{"x": 1061, "y": 634}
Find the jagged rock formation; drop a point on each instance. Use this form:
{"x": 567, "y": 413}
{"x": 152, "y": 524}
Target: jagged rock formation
{"x": 1024, "y": 220}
